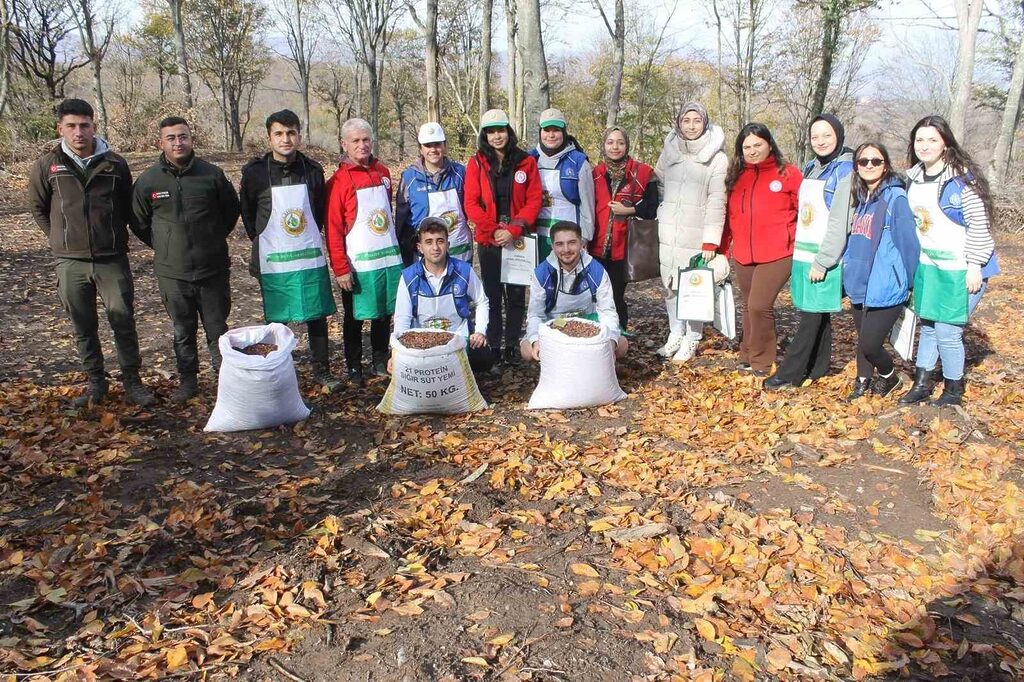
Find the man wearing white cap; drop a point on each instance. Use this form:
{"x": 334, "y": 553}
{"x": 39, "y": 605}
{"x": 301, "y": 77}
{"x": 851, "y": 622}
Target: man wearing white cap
{"x": 432, "y": 186}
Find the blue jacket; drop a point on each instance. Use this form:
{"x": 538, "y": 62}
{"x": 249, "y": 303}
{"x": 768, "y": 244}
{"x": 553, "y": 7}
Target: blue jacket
{"x": 589, "y": 278}
{"x": 568, "y": 173}
{"x": 455, "y": 282}
{"x": 836, "y": 169}
{"x": 412, "y": 205}
{"x": 882, "y": 250}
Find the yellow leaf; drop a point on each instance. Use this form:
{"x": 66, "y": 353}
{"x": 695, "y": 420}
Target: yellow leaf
{"x": 593, "y": 490}
{"x": 585, "y": 570}
{"x": 705, "y": 628}
{"x": 600, "y": 526}
{"x": 372, "y": 599}
{"x": 502, "y": 640}
{"x": 476, "y": 660}
{"x": 176, "y": 657}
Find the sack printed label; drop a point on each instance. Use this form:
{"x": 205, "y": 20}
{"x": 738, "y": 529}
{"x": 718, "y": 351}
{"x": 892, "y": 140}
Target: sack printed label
{"x": 775, "y": 186}
{"x": 294, "y": 222}
{"x": 520, "y": 177}
{"x": 160, "y": 195}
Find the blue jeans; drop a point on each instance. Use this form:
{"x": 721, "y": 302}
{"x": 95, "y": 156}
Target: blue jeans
{"x": 946, "y": 341}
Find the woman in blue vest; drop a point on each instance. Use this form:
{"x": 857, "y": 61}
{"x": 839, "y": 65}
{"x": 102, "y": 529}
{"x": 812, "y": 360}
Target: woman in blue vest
{"x": 567, "y": 179}
{"x": 952, "y": 203}
{"x": 432, "y": 186}
{"x": 878, "y": 265}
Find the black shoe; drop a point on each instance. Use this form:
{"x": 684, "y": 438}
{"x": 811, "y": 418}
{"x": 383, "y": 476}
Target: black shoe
{"x": 323, "y": 377}
{"x": 952, "y": 393}
{"x": 510, "y": 356}
{"x": 136, "y": 393}
{"x": 860, "y": 388}
{"x": 380, "y": 364}
{"x": 188, "y": 386}
{"x": 355, "y": 376}
{"x": 777, "y": 383}
{"x": 884, "y": 386}
{"x": 95, "y": 392}
{"x": 921, "y": 390}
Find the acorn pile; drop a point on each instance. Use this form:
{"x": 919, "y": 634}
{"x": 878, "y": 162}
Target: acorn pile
{"x": 263, "y": 349}
{"x": 425, "y": 340}
{"x": 578, "y": 329}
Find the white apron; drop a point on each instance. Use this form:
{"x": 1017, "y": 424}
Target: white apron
{"x": 445, "y": 204}
{"x": 373, "y": 250}
{"x": 555, "y": 207}
{"x": 583, "y": 304}
{"x": 812, "y": 223}
{"x": 293, "y": 267}
{"x": 940, "y": 283}
{"x": 439, "y": 312}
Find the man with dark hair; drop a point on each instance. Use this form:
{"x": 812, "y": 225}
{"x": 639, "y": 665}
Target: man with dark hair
{"x": 283, "y": 207}
{"x": 80, "y": 195}
{"x": 186, "y": 208}
{"x": 439, "y": 292}
{"x": 570, "y": 283}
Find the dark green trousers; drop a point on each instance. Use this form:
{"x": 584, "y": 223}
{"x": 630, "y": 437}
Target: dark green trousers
{"x": 78, "y": 283}
{"x": 187, "y": 303}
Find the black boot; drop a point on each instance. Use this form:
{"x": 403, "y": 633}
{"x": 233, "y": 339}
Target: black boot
{"x": 883, "y": 386}
{"x": 95, "y": 392}
{"x": 921, "y": 390}
{"x": 135, "y": 392}
{"x": 188, "y": 386}
{"x": 860, "y": 387}
{"x": 320, "y": 352}
{"x": 952, "y": 393}
{"x": 380, "y": 364}
{"x": 777, "y": 383}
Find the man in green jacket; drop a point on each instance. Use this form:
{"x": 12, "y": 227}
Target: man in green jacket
{"x": 80, "y": 195}
{"x": 186, "y": 208}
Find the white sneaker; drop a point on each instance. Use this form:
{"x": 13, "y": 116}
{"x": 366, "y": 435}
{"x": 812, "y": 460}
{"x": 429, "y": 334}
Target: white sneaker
{"x": 687, "y": 349}
{"x": 675, "y": 340}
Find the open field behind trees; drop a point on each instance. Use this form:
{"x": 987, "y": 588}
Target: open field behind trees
{"x": 699, "y": 530}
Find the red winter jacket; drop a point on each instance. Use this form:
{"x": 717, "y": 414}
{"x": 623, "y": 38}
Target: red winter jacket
{"x": 481, "y": 210}
{"x": 342, "y": 205}
{"x": 633, "y": 189}
{"x": 761, "y": 218}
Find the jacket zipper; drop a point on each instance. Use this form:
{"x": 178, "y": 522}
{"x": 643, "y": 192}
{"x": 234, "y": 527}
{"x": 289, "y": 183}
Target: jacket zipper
{"x": 750, "y": 235}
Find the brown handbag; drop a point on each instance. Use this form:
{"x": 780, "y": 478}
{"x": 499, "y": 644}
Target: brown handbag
{"x": 642, "y": 262}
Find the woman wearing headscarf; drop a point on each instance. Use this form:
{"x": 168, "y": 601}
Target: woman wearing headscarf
{"x": 691, "y": 171}
{"x": 623, "y": 188}
{"x": 816, "y": 283}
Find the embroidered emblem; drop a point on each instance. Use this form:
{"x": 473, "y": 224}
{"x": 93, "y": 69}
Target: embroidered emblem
{"x": 806, "y": 215}
{"x": 439, "y": 323}
{"x": 775, "y": 186}
{"x": 519, "y": 244}
{"x": 293, "y": 222}
{"x": 379, "y": 221}
{"x": 521, "y": 177}
{"x": 922, "y": 220}
{"x": 451, "y": 219}
{"x": 546, "y": 199}
{"x": 386, "y": 181}
{"x": 58, "y": 168}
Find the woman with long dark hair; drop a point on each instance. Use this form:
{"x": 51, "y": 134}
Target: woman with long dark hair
{"x": 951, "y": 201}
{"x": 878, "y": 265}
{"x": 503, "y": 198}
{"x": 623, "y": 188}
{"x": 761, "y": 224}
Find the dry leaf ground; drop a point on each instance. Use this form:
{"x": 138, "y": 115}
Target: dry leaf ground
{"x": 699, "y": 530}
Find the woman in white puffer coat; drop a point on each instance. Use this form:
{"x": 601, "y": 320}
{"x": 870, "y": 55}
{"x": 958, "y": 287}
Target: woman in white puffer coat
{"x": 691, "y": 174}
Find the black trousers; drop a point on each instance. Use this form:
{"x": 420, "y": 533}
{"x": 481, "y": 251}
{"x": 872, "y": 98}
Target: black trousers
{"x": 480, "y": 359}
{"x": 873, "y": 327}
{"x": 616, "y": 270}
{"x": 380, "y": 331}
{"x": 810, "y": 350}
{"x": 510, "y": 296}
{"x": 208, "y": 300}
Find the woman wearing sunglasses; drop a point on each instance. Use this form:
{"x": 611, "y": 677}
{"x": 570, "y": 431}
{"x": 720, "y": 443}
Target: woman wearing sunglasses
{"x": 953, "y": 206}
{"x": 878, "y": 265}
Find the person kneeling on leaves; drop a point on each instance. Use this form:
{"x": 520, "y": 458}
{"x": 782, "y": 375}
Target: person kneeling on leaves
{"x": 570, "y": 283}
{"x": 437, "y": 292}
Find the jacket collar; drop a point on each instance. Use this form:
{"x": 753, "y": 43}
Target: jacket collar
{"x": 82, "y": 162}
{"x": 585, "y": 259}
{"x": 169, "y": 167}
{"x": 703, "y": 148}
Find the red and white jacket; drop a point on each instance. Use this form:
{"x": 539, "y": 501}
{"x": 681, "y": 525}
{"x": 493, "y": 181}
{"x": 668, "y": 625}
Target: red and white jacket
{"x": 525, "y": 203}
{"x": 760, "y": 224}
{"x": 633, "y": 189}
{"x": 342, "y": 205}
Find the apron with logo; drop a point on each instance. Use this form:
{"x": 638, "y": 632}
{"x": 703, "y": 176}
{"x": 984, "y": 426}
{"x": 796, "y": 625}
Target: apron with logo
{"x": 440, "y": 312}
{"x": 812, "y": 222}
{"x": 445, "y": 204}
{"x": 293, "y": 267}
{"x": 566, "y": 305}
{"x": 376, "y": 259}
{"x": 555, "y": 208}
{"x": 940, "y": 283}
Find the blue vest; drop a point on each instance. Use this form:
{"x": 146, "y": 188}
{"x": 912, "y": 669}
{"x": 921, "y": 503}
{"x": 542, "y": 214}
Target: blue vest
{"x": 418, "y": 184}
{"x": 455, "y": 283}
{"x": 569, "y": 167}
{"x": 951, "y": 203}
{"x": 834, "y": 171}
{"x": 590, "y": 278}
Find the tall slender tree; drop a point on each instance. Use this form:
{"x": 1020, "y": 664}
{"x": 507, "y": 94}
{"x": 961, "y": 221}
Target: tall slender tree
{"x": 95, "y": 32}
{"x": 616, "y": 26}
{"x": 177, "y": 22}
{"x": 5, "y": 54}
{"x": 1012, "y": 109}
{"x": 536, "y": 90}
{"x": 968, "y": 18}
{"x": 428, "y": 28}
{"x": 486, "y": 29}
{"x": 303, "y": 30}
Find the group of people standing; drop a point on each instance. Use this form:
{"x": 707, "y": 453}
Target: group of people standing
{"x": 847, "y": 225}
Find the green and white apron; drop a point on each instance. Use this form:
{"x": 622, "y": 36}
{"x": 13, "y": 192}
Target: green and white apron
{"x": 940, "y": 284}
{"x": 555, "y": 208}
{"x": 445, "y": 204}
{"x": 440, "y": 312}
{"x": 825, "y": 296}
{"x": 373, "y": 250}
{"x": 293, "y": 267}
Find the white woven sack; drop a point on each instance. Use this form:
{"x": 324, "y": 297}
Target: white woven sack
{"x": 256, "y": 392}
{"x": 575, "y": 372}
{"x": 435, "y": 380}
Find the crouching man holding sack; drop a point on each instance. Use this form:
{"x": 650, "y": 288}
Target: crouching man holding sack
{"x": 570, "y": 283}
{"x": 438, "y": 292}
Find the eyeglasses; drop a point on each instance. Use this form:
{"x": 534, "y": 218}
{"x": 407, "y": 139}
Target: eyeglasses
{"x": 864, "y": 163}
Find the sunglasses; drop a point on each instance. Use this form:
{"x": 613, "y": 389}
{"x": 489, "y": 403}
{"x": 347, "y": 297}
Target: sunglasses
{"x": 864, "y": 163}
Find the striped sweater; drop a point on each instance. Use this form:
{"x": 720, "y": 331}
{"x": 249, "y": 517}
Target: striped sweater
{"x": 980, "y": 245}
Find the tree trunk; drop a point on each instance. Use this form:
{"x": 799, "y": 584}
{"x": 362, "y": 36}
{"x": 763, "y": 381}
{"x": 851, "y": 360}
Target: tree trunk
{"x": 485, "y": 56}
{"x": 433, "y": 97}
{"x": 536, "y": 92}
{"x": 829, "y": 43}
{"x": 1011, "y": 115}
{"x": 400, "y": 113}
{"x": 180, "y": 53}
{"x": 719, "y": 74}
{"x": 97, "y": 86}
{"x": 512, "y": 54}
{"x": 618, "y": 64}
{"x": 373, "y": 77}
{"x": 968, "y": 16}
{"x": 236, "y": 125}
{"x": 5, "y": 55}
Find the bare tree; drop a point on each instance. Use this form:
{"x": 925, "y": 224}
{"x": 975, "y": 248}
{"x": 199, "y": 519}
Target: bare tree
{"x": 5, "y": 54}
{"x": 617, "y": 32}
{"x": 96, "y": 32}
{"x": 748, "y": 27}
{"x": 459, "y": 41}
{"x": 651, "y": 53}
{"x": 40, "y": 52}
{"x": 968, "y": 17}
{"x": 1010, "y": 42}
{"x": 155, "y": 41}
{"x": 514, "y": 68}
{"x": 334, "y": 88}
{"x": 486, "y": 29}
{"x": 174, "y": 7}
{"x": 536, "y": 91}
{"x": 404, "y": 81}
{"x": 833, "y": 17}
{"x": 303, "y": 30}
{"x": 428, "y": 28}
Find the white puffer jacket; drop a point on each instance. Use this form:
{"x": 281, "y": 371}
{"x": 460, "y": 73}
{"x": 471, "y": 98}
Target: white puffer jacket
{"x": 691, "y": 176}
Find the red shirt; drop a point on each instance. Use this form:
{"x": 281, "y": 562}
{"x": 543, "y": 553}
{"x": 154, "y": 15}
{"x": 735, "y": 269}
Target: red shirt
{"x": 481, "y": 209}
{"x": 761, "y": 217}
{"x": 342, "y": 205}
{"x": 632, "y": 189}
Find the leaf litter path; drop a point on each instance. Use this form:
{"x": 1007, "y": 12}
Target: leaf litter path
{"x": 699, "y": 530}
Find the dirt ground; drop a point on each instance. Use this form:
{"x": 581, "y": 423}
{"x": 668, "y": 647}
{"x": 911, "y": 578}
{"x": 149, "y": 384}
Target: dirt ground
{"x": 701, "y": 529}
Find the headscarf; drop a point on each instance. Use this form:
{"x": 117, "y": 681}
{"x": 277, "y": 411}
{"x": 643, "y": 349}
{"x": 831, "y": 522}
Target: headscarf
{"x": 616, "y": 169}
{"x": 840, "y": 132}
{"x": 701, "y": 111}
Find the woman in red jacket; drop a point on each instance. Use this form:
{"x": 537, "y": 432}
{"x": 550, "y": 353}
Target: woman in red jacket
{"x": 761, "y": 225}
{"x": 623, "y": 188}
{"x": 503, "y": 197}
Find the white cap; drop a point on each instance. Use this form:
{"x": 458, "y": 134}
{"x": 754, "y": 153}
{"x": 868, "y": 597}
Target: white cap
{"x": 430, "y": 132}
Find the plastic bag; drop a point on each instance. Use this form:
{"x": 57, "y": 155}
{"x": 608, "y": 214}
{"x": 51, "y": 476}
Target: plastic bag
{"x": 434, "y": 380}
{"x": 253, "y": 391}
{"x": 575, "y": 371}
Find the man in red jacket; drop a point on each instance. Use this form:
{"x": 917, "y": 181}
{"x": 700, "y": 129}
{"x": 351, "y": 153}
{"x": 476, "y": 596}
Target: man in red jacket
{"x": 363, "y": 246}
